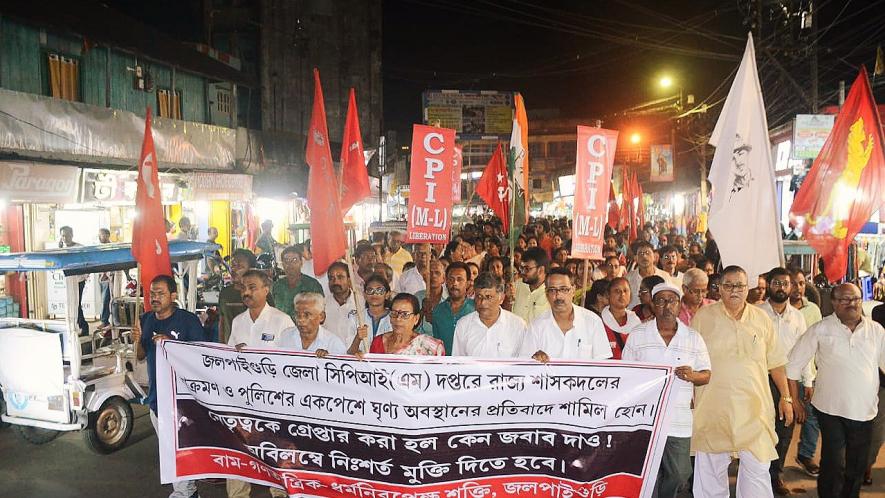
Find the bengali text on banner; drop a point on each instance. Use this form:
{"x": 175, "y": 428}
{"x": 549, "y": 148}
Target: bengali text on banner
{"x": 430, "y": 197}
{"x": 593, "y": 172}
{"x": 410, "y": 427}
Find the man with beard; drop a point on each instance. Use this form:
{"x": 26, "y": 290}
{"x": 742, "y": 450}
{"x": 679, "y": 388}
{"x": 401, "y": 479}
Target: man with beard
{"x": 666, "y": 340}
{"x": 164, "y": 321}
{"x": 230, "y": 300}
{"x": 733, "y": 413}
{"x": 670, "y": 263}
{"x": 397, "y": 255}
{"x": 565, "y": 331}
{"x": 531, "y": 297}
{"x": 489, "y": 332}
{"x": 645, "y": 267}
{"x": 849, "y": 350}
{"x": 365, "y": 258}
{"x": 340, "y": 302}
{"x": 447, "y": 313}
{"x": 790, "y": 325}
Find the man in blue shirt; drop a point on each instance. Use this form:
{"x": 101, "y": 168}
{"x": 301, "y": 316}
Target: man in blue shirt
{"x": 165, "y": 321}
{"x": 447, "y": 313}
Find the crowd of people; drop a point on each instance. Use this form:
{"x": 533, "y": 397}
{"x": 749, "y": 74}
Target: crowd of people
{"x": 751, "y": 359}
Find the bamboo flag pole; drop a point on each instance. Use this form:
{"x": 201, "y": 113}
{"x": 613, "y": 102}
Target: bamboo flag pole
{"x": 356, "y": 296}
{"x": 584, "y": 284}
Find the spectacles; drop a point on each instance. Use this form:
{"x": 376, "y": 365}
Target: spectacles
{"x": 670, "y": 257}
{"x": 779, "y": 284}
{"x": 661, "y": 303}
{"x": 733, "y": 287}
{"x": 287, "y": 261}
{"x": 714, "y": 287}
{"x": 845, "y": 301}
{"x": 376, "y": 291}
{"x": 526, "y": 268}
{"x": 697, "y": 292}
{"x": 644, "y": 253}
{"x": 485, "y": 297}
{"x": 400, "y": 314}
{"x": 558, "y": 290}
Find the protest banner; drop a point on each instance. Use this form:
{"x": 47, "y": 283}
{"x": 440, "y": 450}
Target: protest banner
{"x": 408, "y": 427}
{"x": 430, "y": 199}
{"x": 593, "y": 173}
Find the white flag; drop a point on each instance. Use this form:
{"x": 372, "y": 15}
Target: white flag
{"x": 743, "y": 213}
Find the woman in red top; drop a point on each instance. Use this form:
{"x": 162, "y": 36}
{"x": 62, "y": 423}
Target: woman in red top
{"x": 405, "y": 316}
{"x": 618, "y": 320}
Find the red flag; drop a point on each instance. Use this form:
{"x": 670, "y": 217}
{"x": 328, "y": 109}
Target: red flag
{"x": 614, "y": 216}
{"x": 626, "y": 202}
{"x": 641, "y": 209}
{"x": 328, "y": 240}
{"x": 354, "y": 177}
{"x": 845, "y": 183}
{"x": 149, "y": 246}
{"x": 494, "y": 188}
{"x": 634, "y": 210}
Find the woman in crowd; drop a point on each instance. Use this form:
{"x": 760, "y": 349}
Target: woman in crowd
{"x": 644, "y": 309}
{"x": 596, "y": 299}
{"x": 376, "y": 316}
{"x": 618, "y": 320}
{"x": 405, "y": 316}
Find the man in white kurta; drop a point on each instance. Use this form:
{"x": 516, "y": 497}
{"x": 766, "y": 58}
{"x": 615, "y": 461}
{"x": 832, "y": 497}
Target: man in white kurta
{"x": 490, "y": 331}
{"x": 308, "y": 335}
{"x": 565, "y": 331}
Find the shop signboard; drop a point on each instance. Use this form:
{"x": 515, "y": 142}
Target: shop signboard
{"x": 593, "y": 173}
{"x": 810, "y": 131}
{"x": 219, "y": 187}
{"x": 119, "y": 187}
{"x": 430, "y": 198}
{"x": 25, "y": 181}
{"x": 474, "y": 115}
{"x": 661, "y": 163}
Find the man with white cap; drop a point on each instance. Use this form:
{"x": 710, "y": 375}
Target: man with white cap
{"x": 666, "y": 340}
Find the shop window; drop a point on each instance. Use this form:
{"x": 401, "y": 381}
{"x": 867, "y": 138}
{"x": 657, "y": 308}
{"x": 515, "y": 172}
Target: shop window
{"x": 64, "y": 77}
{"x": 169, "y": 103}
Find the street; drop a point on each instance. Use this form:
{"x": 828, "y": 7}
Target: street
{"x": 65, "y": 468}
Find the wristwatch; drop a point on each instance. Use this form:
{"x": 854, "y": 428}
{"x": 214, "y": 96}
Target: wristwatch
{"x": 788, "y": 399}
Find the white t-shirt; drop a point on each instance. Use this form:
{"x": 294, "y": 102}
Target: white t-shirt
{"x": 586, "y": 340}
{"x": 266, "y": 331}
{"x": 338, "y": 316}
{"x": 502, "y": 340}
{"x": 686, "y": 348}
{"x": 325, "y": 340}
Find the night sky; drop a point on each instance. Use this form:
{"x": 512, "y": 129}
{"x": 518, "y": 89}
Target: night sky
{"x": 590, "y": 59}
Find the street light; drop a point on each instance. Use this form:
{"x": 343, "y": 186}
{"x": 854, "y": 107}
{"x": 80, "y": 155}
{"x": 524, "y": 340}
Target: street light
{"x": 635, "y": 138}
{"x": 666, "y": 82}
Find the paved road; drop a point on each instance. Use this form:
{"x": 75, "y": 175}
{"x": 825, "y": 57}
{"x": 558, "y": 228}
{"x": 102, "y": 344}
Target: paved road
{"x": 66, "y": 468}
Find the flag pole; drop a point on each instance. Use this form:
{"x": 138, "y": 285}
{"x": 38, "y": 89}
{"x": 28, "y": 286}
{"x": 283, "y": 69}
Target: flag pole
{"x": 356, "y": 300}
{"x": 584, "y": 283}
{"x": 138, "y": 307}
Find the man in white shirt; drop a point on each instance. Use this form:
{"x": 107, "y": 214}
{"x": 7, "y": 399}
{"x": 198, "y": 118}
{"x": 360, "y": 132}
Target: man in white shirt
{"x": 309, "y": 335}
{"x": 412, "y": 281}
{"x": 489, "y": 332}
{"x": 789, "y": 325}
{"x": 340, "y": 301}
{"x": 565, "y": 331}
{"x": 260, "y": 326}
{"x": 849, "y": 350}
{"x": 645, "y": 267}
{"x": 666, "y": 340}
{"x": 669, "y": 263}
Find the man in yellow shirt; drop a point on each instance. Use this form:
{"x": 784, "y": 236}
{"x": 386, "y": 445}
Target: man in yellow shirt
{"x": 397, "y": 255}
{"x": 531, "y": 294}
{"x": 734, "y": 416}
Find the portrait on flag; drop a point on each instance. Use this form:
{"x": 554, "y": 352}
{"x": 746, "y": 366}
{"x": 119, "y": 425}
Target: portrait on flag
{"x": 593, "y": 172}
{"x": 430, "y": 185}
{"x": 662, "y": 163}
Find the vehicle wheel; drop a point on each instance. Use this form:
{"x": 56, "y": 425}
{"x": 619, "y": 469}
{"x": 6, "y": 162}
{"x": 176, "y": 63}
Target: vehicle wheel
{"x": 36, "y": 435}
{"x": 3, "y": 424}
{"x": 109, "y": 427}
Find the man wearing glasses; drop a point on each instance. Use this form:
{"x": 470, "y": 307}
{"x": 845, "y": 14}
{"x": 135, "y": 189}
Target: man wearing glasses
{"x": 294, "y": 282}
{"x": 669, "y": 263}
{"x": 666, "y": 340}
{"x": 849, "y": 350}
{"x": 790, "y": 325}
{"x": 645, "y": 267}
{"x": 694, "y": 285}
{"x": 565, "y": 331}
{"x": 733, "y": 414}
{"x": 531, "y": 298}
{"x": 490, "y": 331}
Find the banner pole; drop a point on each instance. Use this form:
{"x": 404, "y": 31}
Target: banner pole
{"x": 584, "y": 284}
{"x": 356, "y": 295}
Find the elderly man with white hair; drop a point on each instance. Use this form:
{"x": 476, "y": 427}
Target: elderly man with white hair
{"x": 309, "y": 334}
{"x": 694, "y": 293}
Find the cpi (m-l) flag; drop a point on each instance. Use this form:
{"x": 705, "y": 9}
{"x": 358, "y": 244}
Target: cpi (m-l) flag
{"x": 326, "y": 223}
{"x": 593, "y": 174}
{"x": 845, "y": 183}
{"x": 494, "y": 187}
{"x": 149, "y": 246}
{"x": 743, "y": 215}
{"x": 354, "y": 176}
{"x": 430, "y": 185}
